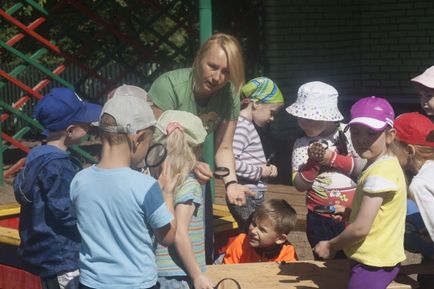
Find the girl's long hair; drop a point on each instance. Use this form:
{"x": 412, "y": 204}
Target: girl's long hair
{"x": 181, "y": 157}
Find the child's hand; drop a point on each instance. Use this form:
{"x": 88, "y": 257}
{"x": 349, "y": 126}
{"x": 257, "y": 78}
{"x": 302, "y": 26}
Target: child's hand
{"x": 338, "y": 214}
{"x": 327, "y": 159}
{"x": 236, "y": 194}
{"x": 202, "y": 282}
{"x": 323, "y": 250}
{"x": 269, "y": 171}
{"x": 167, "y": 183}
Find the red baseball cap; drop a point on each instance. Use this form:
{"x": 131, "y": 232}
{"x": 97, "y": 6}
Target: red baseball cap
{"x": 414, "y": 128}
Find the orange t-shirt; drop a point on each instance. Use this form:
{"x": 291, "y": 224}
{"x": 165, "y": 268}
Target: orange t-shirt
{"x": 240, "y": 251}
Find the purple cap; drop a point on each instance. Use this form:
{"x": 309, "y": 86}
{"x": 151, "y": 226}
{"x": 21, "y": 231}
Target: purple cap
{"x": 373, "y": 112}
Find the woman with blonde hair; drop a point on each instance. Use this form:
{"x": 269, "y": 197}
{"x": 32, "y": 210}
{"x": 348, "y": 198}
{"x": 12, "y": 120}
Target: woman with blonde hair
{"x": 210, "y": 90}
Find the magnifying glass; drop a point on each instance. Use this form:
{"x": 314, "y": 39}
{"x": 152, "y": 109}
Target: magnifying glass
{"x": 155, "y": 156}
{"x": 221, "y": 172}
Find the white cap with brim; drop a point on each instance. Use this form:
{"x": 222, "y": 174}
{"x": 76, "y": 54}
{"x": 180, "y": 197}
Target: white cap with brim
{"x": 129, "y": 107}
{"x": 426, "y": 78}
{"x": 316, "y": 100}
{"x": 189, "y": 123}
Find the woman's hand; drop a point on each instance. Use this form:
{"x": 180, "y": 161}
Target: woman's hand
{"x": 202, "y": 282}
{"x": 237, "y": 193}
{"x": 324, "y": 250}
{"x": 269, "y": 171}
{"x": 203, "y": 172}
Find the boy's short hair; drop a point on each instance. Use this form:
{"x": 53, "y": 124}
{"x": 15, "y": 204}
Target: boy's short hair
{"x": 126, "y": 112}
{"x": 62, "y": 107}
{"x": 280, "y": 212}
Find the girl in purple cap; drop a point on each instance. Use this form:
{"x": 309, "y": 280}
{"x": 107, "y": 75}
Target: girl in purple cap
{"x": 374, "y": 238}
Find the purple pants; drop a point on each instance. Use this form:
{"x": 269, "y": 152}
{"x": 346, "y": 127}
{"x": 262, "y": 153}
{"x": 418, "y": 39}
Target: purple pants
{"x": 364, "y": 276}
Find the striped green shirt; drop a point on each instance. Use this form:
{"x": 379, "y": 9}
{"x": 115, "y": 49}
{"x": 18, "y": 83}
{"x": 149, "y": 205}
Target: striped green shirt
{"x": 168, "y": 261}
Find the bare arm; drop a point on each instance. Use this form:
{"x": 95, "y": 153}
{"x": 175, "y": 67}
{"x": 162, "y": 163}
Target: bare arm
{"x": 301, "y": 184}
{"x": 157, "y": 111}
{"x": 184, "y": 213}
{"x": 355, "y": 231}
{"x": 224, "y": 157}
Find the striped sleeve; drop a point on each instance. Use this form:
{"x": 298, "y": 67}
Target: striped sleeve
{"x": 248, "y": 152}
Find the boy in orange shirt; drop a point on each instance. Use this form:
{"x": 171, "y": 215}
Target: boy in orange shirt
{"x": 267, "y": 236}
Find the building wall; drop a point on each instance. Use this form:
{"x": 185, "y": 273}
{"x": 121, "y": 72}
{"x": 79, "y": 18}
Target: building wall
{"x": 362, "y": 47}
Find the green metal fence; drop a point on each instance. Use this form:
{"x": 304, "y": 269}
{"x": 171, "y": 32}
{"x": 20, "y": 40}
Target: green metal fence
{"x": 91, "y": 46}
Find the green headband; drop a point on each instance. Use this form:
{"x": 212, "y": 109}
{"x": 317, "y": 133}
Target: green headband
{"x": 262, "y": 90}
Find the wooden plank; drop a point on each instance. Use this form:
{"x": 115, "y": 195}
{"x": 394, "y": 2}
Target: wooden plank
{"x": 9, "y": 236}
{"x": 302, "y": 274}
{"x": 9, "y": 210}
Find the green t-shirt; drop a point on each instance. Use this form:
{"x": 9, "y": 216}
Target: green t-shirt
{"x": 174, "y": 90}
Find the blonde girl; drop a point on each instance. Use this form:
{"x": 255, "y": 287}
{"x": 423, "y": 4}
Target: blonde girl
{"x": 183, "y": 264}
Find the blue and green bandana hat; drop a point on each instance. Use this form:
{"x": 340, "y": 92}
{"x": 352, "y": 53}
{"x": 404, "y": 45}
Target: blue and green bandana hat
{"x": 262, "y": 90}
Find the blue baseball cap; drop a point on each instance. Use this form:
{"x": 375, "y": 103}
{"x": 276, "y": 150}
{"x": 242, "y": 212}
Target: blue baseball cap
{"x": 62, "y": 107}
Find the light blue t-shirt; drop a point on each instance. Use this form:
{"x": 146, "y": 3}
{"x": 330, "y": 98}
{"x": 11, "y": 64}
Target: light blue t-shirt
{"x": 116, "y": 210}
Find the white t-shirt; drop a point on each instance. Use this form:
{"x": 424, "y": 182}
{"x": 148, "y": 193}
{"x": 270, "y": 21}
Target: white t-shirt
{"x": 422, "y": 190}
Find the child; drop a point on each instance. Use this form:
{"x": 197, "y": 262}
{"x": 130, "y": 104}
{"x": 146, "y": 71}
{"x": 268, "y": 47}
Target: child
{"x": 261, "y": 99}
{"x": 424, "y": 84}
{"x": 374, "y": 238}
{"x": 48, "y": 232}
{"x": 324, "y": 161}
{"x": 119, "y": 209}
{"x": 182, "y": 265}
{"x": 267, "y": 239}
{"x": 414, "y": 147}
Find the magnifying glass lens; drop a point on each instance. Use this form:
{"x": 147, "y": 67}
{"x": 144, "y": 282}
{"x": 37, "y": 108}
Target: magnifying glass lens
{"x": 221, "y": 172}
{"x": 156, "y": 155}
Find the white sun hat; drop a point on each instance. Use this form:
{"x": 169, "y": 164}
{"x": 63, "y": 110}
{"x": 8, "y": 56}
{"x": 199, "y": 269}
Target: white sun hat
{"x": 316, "y": 100}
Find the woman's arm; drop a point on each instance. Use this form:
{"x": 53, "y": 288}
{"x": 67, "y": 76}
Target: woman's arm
{"x": 157, "y": 111}
{"x": 355, "y": 231}
{"x": 184, "y": 213}
{"x": 224, "y": 157}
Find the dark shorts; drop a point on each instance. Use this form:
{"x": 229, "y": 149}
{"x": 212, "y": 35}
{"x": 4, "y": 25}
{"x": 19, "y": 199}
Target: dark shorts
{"x": 319, "y": 228}
{"x": 416, "y": 243}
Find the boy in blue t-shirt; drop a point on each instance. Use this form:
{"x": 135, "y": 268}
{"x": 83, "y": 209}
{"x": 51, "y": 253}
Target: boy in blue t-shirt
{"x": 48, "y": 232}
{"x": 118, "y": 209}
